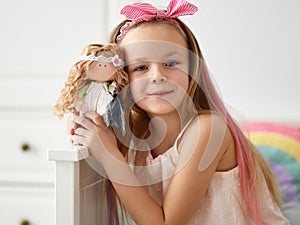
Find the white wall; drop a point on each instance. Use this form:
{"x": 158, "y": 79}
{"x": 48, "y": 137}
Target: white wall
{"x": 42, "y": 38}
{"x": 253, "y": 52}
{"x": 251, "y": 47}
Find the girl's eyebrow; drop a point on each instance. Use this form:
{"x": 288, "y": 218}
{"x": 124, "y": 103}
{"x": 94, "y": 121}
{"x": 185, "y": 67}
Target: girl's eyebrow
{"x": 156, "y": 59}
{"x": 173, "y": 53}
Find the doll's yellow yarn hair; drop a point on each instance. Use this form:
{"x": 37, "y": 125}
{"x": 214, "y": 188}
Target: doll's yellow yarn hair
{"x": 77, "y": 77}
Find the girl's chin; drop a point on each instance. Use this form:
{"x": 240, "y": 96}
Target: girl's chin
{"x": 157, "y": 106}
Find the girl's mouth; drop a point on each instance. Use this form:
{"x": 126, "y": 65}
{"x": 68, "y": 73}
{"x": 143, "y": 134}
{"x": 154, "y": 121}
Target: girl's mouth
{"x": 160, "y": 93}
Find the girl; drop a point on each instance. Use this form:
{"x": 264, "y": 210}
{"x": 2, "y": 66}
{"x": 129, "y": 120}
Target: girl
{"x": 93, "y": 84}
{"x": 186, "y": 162}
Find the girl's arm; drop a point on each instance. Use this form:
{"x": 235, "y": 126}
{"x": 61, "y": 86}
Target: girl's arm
{"x": 188, "y": 185}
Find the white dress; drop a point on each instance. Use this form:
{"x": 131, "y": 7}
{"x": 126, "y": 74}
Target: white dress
{"x": 222, "y": 203}
{"x": 96, "y": 99}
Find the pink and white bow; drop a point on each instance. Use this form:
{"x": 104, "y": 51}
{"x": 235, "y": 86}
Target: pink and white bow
{"x": 139, "y": 11}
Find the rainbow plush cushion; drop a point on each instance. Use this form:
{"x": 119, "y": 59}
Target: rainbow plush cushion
{"x": 280, "y": 145}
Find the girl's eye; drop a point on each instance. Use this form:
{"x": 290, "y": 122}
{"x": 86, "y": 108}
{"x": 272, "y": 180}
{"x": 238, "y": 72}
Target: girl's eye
{"x": 171, "y": 63}
{"x": 140, "y": 68}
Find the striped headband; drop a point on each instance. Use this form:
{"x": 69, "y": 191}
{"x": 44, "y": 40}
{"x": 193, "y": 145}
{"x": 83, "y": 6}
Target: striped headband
{"x": 138, "y": 12}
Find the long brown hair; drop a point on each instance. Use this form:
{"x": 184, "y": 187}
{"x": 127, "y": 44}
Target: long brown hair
{"x": 206, "y": 99}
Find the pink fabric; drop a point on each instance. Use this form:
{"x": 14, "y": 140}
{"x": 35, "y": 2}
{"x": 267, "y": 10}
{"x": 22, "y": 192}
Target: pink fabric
{"x": 139, "y": 11}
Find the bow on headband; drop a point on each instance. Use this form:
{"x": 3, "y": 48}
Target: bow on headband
{"x": 138, "y": 12}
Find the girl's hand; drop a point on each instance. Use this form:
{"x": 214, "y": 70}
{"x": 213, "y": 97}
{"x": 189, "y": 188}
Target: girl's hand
{"x": 71, "y": 127}
{"x": 92, "y": 132}
{"x": 71, "y": 131}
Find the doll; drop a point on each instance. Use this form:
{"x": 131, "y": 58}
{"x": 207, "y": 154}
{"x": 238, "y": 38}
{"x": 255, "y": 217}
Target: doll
{"x": 93, "y": 84}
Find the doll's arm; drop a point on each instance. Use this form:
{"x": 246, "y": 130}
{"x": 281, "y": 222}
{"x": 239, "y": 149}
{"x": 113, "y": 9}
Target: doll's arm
{"x": 79, "y": 97}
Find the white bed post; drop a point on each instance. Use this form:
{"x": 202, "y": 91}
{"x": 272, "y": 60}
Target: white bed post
{"x": 67, "y": 183}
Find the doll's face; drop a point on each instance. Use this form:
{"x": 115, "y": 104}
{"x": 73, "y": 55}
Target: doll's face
{"x": 101, "y": 71}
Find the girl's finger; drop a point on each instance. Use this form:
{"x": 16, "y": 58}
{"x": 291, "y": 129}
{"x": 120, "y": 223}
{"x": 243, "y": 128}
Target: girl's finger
{"x": 79, "y": 140}
{"x": 71, "y": 131}
{"x": 72, "y": 128}
{"x": 83, "y": 122}
{"x": 96, "y": 118}
{"x": 73, "y": 139}
{"x": 74, "y": 125}
{"x": 81, "y": 131}
{"x": 69, "y": 123}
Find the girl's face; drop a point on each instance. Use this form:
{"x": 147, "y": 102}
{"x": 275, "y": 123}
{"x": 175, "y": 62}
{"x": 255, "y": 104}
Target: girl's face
{"x": 157, "y": 64}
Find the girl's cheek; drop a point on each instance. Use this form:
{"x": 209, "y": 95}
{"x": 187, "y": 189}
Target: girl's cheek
{"x": 138, "y": 88}
{"x": 135, "y": 87}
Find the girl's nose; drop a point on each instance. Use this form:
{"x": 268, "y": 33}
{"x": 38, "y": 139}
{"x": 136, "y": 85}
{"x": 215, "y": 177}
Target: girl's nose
{"x": 158, "y": 79}
{"x": 157, "y": 75}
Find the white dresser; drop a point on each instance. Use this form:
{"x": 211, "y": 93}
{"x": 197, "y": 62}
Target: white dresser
{"x": 27, "y": 129}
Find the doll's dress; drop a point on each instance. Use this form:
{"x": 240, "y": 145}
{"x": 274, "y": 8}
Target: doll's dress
{"x": 95, "y": 98}
{"x": 222, "y": 203}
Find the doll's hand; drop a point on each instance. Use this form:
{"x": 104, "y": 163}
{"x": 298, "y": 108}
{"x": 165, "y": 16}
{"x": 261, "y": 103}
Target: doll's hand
{"x": 93, "y": 133}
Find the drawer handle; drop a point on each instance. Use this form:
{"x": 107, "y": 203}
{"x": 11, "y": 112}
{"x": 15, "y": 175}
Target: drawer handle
{"x": 25, "y": 222}
{"x": 25, "y": 147}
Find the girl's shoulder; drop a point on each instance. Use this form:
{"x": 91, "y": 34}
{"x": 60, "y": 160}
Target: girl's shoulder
{"x": 208, "y": 137}
{"x": 209, "y": 124}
